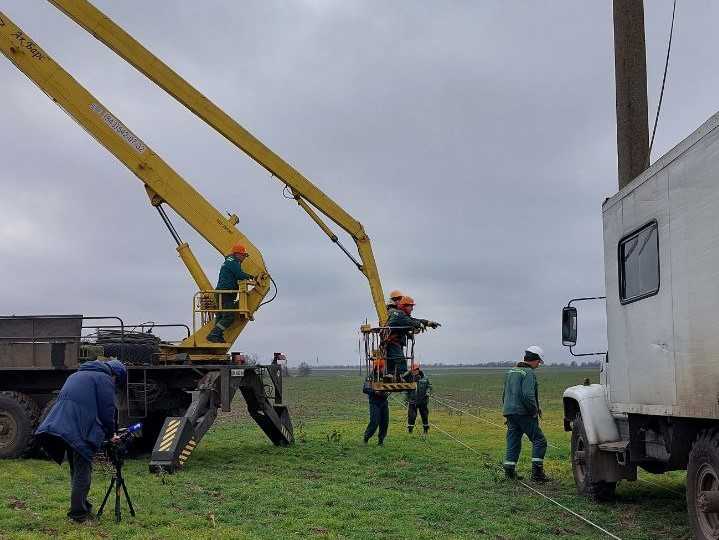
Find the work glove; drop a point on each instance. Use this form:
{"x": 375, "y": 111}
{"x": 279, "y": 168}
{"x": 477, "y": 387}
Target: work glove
{"x": 433, "y": 324}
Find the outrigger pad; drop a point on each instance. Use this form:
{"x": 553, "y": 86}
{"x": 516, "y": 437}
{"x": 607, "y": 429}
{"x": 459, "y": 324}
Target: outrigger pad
{"x": 394, "y": 386}
{"x": 173, "y": 446}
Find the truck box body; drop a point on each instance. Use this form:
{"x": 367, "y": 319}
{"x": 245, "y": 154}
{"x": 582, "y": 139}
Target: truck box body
{"x": 661, "y": 245}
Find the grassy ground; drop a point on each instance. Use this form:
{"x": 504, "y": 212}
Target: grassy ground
{"x": 330, "y": 485}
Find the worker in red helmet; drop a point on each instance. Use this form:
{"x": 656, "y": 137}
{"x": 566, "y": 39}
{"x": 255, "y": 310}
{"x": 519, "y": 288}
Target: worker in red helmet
{"x": 230, "y": 273}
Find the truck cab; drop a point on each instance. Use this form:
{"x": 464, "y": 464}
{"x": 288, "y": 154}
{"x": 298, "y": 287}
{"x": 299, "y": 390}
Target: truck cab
{"x": 657, "y": 404}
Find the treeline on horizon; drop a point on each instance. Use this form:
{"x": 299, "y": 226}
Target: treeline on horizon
{"x": 507, "y": 364}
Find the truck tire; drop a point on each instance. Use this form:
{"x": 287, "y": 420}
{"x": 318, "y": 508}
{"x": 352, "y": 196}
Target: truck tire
{"x": 18, "y": 419}
{"x": 703, "y": 475}
{"x": 596, "y": 490}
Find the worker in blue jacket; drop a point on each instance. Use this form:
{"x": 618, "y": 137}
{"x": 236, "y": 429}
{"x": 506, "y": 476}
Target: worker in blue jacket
{"x": 76, "y": 426}
{"x": 520, "y": 407}
{"x": 230, "y": 273}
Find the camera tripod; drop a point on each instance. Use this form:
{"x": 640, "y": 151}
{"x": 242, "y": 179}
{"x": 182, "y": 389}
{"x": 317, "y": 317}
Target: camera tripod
{"x": 118, "y": 482}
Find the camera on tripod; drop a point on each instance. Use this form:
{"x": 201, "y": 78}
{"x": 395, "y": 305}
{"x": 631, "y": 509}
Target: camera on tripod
{"x": 118, "y": 447}
{"x": 116, "y": 450}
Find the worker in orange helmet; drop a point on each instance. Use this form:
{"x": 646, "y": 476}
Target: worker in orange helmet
{"x": 418, "y": 399}
{"x": 230, "y": 273}
{"x": 401, "y": 324}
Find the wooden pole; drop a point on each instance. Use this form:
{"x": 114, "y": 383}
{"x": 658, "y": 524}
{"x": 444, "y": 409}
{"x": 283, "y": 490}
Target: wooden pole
{"x": 630, "y": 67}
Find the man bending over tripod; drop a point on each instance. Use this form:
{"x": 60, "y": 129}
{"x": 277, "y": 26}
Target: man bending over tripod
{"x": 81, "y": 419}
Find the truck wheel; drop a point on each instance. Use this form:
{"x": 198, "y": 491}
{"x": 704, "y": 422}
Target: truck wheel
{"x": 18, "y": 420}
{"x": 703, "y": 475}
{"x": 582, "y": 466}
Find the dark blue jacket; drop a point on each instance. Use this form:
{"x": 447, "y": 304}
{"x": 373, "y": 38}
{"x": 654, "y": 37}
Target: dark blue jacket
{"x": 84, "y": 414}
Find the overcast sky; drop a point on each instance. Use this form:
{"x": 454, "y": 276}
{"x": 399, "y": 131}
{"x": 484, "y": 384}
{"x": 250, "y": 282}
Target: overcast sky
{"x": 474, "y": 140}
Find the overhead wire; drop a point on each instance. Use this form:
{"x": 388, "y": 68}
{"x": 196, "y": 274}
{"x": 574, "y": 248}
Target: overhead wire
{"x": 664, "y": 80}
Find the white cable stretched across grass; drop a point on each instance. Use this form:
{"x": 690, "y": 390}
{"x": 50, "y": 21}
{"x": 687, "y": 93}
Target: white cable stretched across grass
{"x": 529, "y": 487}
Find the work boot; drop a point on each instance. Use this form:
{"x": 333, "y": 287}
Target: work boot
{"x": 510, "y": 473}
{"x": 409, "y": 429}
{"x": 538, "y": 473}
{"x": 380, "y": 442}
{"x": 425, "y": 429}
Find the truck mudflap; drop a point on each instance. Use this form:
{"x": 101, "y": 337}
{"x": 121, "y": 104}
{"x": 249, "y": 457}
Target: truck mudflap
{"x": 590, "y": 401}
{"x": 180, "y": 436}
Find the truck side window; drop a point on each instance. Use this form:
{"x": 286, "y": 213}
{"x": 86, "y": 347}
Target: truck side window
{"x": 639, "y": 264}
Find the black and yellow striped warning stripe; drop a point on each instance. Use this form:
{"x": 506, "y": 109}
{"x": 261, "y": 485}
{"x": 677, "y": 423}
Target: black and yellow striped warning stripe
{"x": 393, "y": 386}
{"x": 189, "y": 447}
{"x": 168, "y": 437}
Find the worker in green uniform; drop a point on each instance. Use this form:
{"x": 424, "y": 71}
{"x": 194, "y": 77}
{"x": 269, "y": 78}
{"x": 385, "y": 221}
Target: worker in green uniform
{"x": 401, "y": 324}
{"x": 520, "y": 407}
{"x": 418, "y": 399}
{"x": 230, "y": 273}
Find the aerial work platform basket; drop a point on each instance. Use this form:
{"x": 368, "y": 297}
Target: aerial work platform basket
{"x": 386, "y": 375}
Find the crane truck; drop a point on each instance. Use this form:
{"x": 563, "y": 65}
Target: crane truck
{"x": 657, "y": 403}
{"x": 176, "y": 387}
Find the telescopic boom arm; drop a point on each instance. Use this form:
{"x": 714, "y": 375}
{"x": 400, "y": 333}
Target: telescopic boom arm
{"x": 308, "y": 196}
{"x": 163, "y": 184}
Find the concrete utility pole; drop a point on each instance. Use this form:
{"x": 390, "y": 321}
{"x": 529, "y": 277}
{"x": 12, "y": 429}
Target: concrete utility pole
{"x": 630, "y": 68}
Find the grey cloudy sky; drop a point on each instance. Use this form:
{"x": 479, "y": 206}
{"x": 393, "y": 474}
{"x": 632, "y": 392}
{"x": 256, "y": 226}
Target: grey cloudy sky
{"x": 474, "y": 140}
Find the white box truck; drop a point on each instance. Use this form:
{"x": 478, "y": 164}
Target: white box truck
{"x": 657, "y": 404}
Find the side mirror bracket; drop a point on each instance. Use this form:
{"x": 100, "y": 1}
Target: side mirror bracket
{"x": 570, "y": 324}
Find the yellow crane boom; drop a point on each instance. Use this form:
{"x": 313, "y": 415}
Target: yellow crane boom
{"x": 308, "y": 196}
{"x": 163, "y": 184}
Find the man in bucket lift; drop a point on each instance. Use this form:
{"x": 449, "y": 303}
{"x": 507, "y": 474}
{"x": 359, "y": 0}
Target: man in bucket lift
{"x": 401, "y": 324}
{"x": 520, "y": 406}
{"x": 394, "y": 297}
{"x": 230, "y": 273}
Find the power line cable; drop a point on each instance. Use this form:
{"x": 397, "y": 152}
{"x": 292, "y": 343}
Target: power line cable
{"x": 664, "y": 80}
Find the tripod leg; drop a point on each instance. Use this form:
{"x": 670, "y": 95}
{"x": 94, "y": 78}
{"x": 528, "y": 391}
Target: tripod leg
{"x": 127, "y": 496}
{"x": 118, "y": 510}
{"x": 107, "y": 496}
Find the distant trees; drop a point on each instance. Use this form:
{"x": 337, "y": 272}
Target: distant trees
{"x": 304, "y": 370}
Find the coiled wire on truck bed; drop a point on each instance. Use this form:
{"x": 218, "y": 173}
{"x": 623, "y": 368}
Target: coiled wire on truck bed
{"x": 130, "y": 347}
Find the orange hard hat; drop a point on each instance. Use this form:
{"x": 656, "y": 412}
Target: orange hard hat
{"x": 407, "y": 301}
{"x": 395, "y": 294}
{"x": 239, "y": 248}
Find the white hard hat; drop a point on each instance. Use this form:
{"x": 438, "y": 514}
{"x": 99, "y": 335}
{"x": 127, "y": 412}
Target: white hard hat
{"x": 535, "y": 349}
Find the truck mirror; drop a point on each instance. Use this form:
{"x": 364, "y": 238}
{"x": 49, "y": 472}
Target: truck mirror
{"x": 569, "y": 326}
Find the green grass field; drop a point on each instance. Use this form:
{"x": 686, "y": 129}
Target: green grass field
{"x": 330, "y": 485}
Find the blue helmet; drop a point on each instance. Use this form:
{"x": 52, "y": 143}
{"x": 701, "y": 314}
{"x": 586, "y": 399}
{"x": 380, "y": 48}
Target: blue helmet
{"x": 118, "y": 370}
